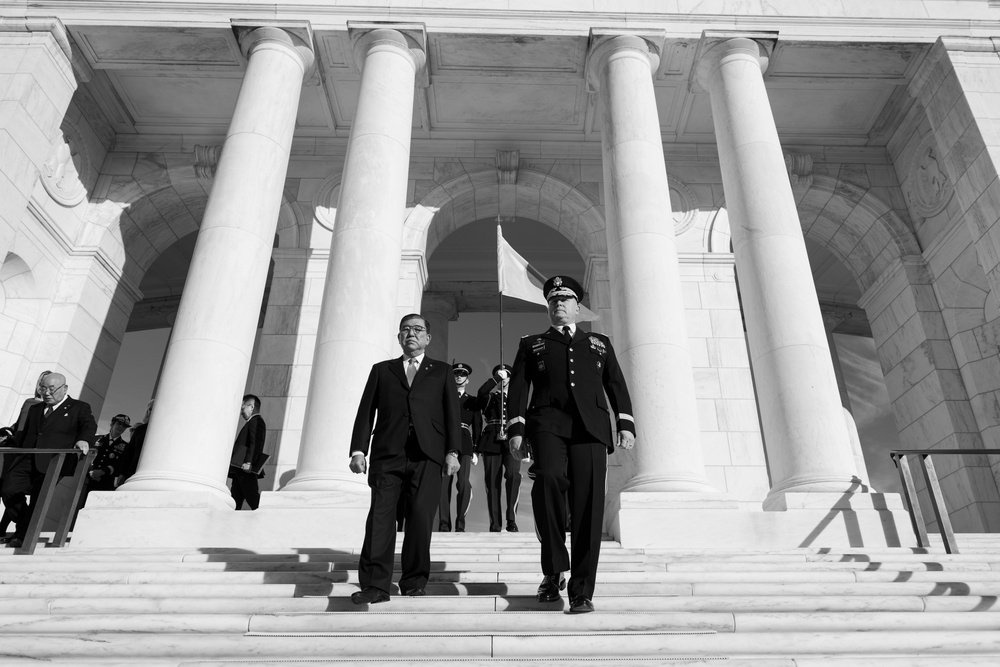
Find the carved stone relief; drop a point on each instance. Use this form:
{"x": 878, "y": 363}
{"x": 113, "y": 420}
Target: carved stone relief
{"x": 67, "y": 167}
{"x": 683, "y": 204}
{"x": 928, "y": 187}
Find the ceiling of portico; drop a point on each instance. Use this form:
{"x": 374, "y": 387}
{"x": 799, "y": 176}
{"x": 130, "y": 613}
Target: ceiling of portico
{"x": 170, "y": 80}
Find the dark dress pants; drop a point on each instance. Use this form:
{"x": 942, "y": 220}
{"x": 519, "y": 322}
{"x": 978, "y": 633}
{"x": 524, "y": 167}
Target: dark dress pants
{"x": 245, "y": 487}
{"x": 462, "y": 502}
{"x": 21, "y": 480}
{"x": 581, "y": 467}
{"x": 410, "y": 474}
{"x": 502, "y": 473}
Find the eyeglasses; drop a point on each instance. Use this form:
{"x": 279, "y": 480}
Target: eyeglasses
{"x": 413, "y": 330}
{"x": 50, "y": 390}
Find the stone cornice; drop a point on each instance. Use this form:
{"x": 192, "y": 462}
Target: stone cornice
{"x": 978, "y": 21}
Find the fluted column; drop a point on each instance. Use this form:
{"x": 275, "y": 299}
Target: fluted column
{"x": 808, "y": 445}
{"x": 190, "y": 438}
{"x": 649, "y": 320}
{"x": 359, "y": 311}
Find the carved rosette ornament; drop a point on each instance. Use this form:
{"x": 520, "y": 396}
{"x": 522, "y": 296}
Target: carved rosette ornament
{"x": 683, "y": 205}
{"x": 67, "y": 167}
{"x": 928, "y": 187}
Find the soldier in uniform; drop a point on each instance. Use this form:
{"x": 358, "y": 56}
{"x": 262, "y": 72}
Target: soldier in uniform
{"x": 501, "y": 469}
{"x": 567, "y": 423}
{"x": 470, "y": 425}
{"x": 112, "y": 453}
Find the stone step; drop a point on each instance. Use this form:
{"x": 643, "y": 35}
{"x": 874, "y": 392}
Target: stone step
{"x": 102, "y": 648}
{"x": 493, "y": 574}
{"x": 483, "y": 563}
{"x": 391, "y": 623}
{"x": 497, "y": 603}
{"x": 929, "y": 588}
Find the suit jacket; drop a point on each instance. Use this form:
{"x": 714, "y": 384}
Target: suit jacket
{"x": 568, "y": 381}
{"x": 70, "y": 422}
{"x": 249, "y": 443}
{"x": 430, "y": 405}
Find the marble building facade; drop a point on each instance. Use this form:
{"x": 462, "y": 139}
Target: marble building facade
{"x": 322, "y": 151}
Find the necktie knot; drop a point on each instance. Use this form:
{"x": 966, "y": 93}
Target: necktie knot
{"x": 567, "y": 333}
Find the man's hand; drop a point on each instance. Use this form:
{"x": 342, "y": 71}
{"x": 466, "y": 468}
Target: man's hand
{"x": 515, "y": 447}
{"x": 475, "y": 459}
{"x": 626, "y": 439}
{"x": 358, "y": 464}
{"x": 83, "y": 446}
{"x": 451, "y": 464}
{"x": 245, "y": 467}
{"x": 96, "y": 475}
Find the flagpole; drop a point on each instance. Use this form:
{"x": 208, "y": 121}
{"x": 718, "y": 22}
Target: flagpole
{"x": 503, "y": 416}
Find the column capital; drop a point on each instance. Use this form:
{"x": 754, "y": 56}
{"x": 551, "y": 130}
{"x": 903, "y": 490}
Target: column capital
{"x": 409, "y": 39}
{"x": 296, "y": 36}
{"x": 606, "y": 42}
{"x": 715, "y": 46}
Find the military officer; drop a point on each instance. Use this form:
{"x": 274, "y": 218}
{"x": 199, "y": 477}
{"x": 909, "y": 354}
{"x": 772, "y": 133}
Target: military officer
{"x": 502, "y": 470}
{"x": 470, "y": 425}
{"x": 108, "y": 464}
{"x": 567, "y": 423}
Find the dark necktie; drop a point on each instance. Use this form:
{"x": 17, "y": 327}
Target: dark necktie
{"x": 567, "y": 335}
{"x": 47, "y": 412}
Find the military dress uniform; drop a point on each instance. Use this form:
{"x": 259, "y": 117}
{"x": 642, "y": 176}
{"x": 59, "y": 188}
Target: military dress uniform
{"x": 470, "y": 425}
{"x": 568, "y": 426}
{"x": 501, "y": 470}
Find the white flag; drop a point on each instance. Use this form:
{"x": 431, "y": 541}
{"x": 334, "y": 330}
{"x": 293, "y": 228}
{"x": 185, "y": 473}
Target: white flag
{"x": 520, "y": 280}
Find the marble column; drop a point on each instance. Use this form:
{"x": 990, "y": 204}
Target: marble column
{"x": 808, "y": 445}
{"x": 359, "y": 311}
{"x": 190, "y": 436}
{"x": 649, "y": 321}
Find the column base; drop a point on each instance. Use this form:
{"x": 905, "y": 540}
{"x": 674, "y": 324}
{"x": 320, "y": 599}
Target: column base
{"x": 716, "y": 521}
{"x": 194, "y": 520}
{"x": 329, "y": 483}
{"x": 654, "y": 483}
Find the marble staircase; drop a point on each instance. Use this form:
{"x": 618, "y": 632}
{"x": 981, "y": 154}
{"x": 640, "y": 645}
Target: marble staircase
{"x": 213, "y": 607}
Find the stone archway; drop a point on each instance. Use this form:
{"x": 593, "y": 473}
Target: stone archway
{"x": 19, "y": 311}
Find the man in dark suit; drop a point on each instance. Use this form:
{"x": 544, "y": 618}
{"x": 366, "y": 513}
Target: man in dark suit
{"x": 106, "y": 466}
{"x": 470, "y": 424}
{"x": 417, "y": 435}
{"x": 58, "y": 422}
{"x": 501, "y": 469}
{"x": 247, "y": 450}
{"x": 568, "y": 427}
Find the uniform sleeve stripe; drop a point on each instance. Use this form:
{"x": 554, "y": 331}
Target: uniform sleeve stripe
{"x": 516, "y": 420}
{"x": 624, "y": 417}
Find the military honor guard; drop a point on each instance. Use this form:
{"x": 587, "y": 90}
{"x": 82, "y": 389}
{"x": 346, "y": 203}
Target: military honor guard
{"x": 470, "y": 425}
{"x": 568, "y": 426}
{"x": 501, "y": 469}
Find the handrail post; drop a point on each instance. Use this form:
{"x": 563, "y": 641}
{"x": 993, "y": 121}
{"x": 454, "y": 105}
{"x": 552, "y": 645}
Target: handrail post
{"x": 910, "y": 495}
{"x": 77, "y": 481}
{"x": 40, "y": 505}
{"x": 937, "y": 504}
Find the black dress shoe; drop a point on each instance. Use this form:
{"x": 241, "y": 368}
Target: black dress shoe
{"x": 15, "y": 543}
{"x": 370, "y": 595}
{"x": 414, "y": 592}
{"x": 580, "y": 605}
{"x": 511, "y": 527}
{"x": 548, "y": 590}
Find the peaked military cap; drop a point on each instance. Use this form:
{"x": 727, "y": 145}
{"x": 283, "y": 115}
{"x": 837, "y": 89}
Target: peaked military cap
{"x": 499, "y": 366}
{"x": 461, "y": 368}
{"x": 122, "y": 419}
{"x": 562, "y": 286}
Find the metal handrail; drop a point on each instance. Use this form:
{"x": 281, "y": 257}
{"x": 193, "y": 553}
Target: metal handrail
{"x": 40, "y": 505}
{"x": 899, "y": 458}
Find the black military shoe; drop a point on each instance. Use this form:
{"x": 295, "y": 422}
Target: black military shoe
{"x": 370, "y": 595}
{"x": 511, "y": 527}
{"x": 548, "y": 590}
{"x": 580, "y": 605}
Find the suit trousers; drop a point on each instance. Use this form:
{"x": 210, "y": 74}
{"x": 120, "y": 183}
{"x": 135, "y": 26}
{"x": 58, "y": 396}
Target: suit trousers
{"x": 502, "y": 472}
{"x": 245, "y": 487}
{"x": 464, "y": 499}
{"x": 21, "y": 480}
{"x": 412, "y": 475}
{"x": 581, "y": 467}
